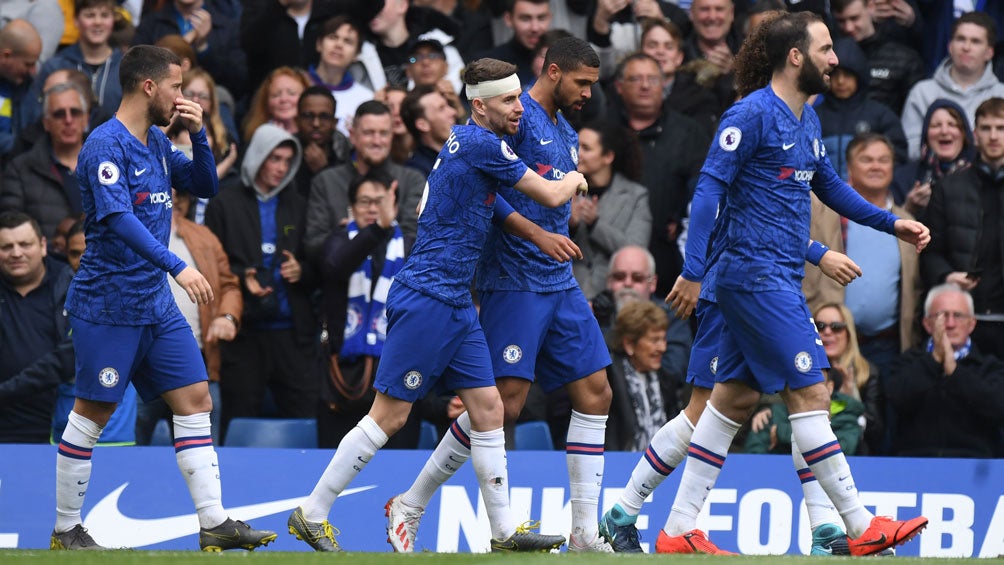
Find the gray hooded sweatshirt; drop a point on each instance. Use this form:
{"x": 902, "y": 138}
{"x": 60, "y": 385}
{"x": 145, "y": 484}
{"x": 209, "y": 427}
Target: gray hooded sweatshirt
{"x": 941, "y": 85}
{"x": 266, "y": 138}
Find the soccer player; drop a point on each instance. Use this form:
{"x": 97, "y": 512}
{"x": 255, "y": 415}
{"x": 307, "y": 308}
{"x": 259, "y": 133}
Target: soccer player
{"x": 536, "y": 319}
{"x": 434, "y": 340}
{"x": 767, "y": 157}
{"x": 669, "y": 445}
{"x": 126, "y": 325}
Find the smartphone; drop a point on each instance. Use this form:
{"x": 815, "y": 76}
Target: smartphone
{"x": 974, "y": 274}
{"x": 264, "y": 276}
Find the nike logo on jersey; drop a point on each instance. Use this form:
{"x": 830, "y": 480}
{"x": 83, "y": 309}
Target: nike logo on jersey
{"x": 545, "y": 141}
{"x": 139, "y": 172}
{"x": 787, "y": 146}
{"x": 110, "y": 525}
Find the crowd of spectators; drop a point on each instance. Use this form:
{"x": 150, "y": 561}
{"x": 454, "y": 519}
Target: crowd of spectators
{"x": 325, "y": 118}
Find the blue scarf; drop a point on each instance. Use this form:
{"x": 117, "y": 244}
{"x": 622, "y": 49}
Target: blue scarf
{"x": 959, "y": 353}
{"x": 366, "y": 319}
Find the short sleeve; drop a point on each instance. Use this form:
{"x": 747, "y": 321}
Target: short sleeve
{"x": 498, "y": 160}
{"x": 735, "y": 143}
{"x": 102, "y": 170}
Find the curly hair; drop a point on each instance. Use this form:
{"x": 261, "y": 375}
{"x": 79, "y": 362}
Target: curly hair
{"x": 765, "y": 49}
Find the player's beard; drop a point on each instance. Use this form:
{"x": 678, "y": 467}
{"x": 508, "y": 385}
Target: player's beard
{"x": 811, "y": 80}
{"x": 158, "y": 117}
{"x": 564, "y": 105}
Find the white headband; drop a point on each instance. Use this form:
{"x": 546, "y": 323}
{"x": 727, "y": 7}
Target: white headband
{"x": 490, "y": 88}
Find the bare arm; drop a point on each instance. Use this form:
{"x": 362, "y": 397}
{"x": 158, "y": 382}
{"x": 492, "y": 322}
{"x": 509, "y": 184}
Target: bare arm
{"x": 555, "y": 246}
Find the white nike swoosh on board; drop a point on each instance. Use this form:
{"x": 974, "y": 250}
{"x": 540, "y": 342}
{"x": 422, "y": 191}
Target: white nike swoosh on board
{"x": 787, "y": 146}
{"x": 107, "y": 523}
{"x": 139, "y": 172}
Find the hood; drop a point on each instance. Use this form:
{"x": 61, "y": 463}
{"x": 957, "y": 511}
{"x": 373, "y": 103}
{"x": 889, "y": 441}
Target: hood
{"x": 266, "y": 138}
{"x": 852, "y": 59}
{"x": 969, "y": 150}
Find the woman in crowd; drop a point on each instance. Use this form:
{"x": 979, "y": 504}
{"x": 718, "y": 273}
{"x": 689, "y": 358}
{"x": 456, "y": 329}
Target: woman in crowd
{"x": 198, "y": 85}
{"x": 840, "y": 340}
{"x": 616, "y": 212}
{"x": 644, "y": 396}
{"x": 946, "y": 146}
{"x": 275, "y": 101}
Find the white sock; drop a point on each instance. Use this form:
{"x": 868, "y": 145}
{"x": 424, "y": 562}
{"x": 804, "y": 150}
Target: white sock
{"x": 665, "y": 452}
{"x": 451, "y": 453}
{"x": 193, "y": 448}
{"x": 353, "y": 453}
{"x": 73, "y": 469}
{"x": 705, "y": 457}
{"x": 584, "y": 457}
{"x": 821, "y": 450}
{"x": 489, "y": 459}
{"x": 821, "y": 510}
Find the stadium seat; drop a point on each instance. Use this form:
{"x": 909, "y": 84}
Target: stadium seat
{"x": 161, "y": 433}
{"x": 298, "y": 433}
{"x": 428, "y": 437}
{"x": 534, "y": 435}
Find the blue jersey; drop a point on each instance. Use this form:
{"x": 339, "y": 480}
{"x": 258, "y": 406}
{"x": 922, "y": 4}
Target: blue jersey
{"x": 511, "y": 263}
{"x": 765, "y": 161}
{"x": 452, "y": 229}
{"x": 118, "y": 174}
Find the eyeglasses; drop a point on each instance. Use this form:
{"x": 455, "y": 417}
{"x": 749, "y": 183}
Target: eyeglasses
{"x": 649, "y": 80}
{"x": 957, "y": 316}
{"x": 835, "y": 327}
{"x": 367, "y": 202}
{"x": 323, "y": 118}
{"x": 621, "y": 276}
{"x": 426, "y": 57}
{"x": 61, "y": 113}
{"x": 192, "y": 95}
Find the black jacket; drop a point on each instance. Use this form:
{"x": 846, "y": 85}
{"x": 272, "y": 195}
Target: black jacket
{"x": 224, "y": 58}
{"x": 233, "y": 216}
{"x": 622, "y": 420}
{"x": 270, "y": 37}
{"x": 874, "y": 398}
{"x": 955, "y": 218}
{"x": 673, "y": 151}
{"x": 32, "y": 185}
{"x": 893, "y": 69}
{"x": 513, "y": 52}
{"x": 341, "y": 258}
{"x": 947, "y": 416}
{"x": 28, "y": 397}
